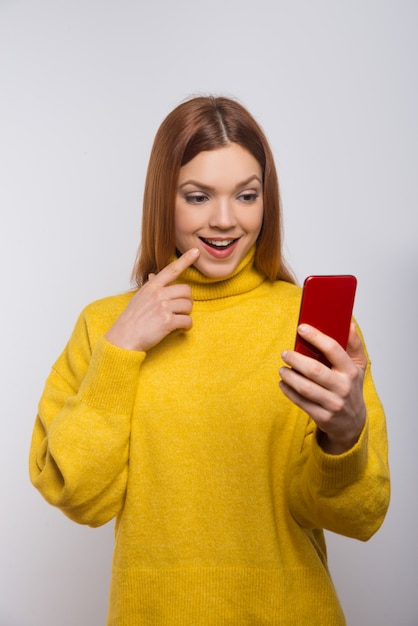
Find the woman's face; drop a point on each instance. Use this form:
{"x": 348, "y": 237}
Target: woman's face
{"x": 219, "y": 208}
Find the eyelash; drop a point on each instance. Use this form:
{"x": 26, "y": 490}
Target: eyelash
{"x": 200, "y": 198}
{"x": 196, "y": 198}
{"x": 249, "y": 196}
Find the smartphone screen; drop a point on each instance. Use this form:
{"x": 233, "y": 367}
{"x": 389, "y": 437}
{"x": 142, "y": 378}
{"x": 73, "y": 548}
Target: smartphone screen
{"x": 327, "y": 304}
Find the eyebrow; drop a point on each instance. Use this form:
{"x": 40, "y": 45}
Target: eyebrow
{"x": 243, "y": 183}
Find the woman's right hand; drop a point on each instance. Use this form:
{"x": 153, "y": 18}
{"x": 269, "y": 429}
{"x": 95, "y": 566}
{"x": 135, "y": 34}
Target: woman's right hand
{"x": 158, "y": 308}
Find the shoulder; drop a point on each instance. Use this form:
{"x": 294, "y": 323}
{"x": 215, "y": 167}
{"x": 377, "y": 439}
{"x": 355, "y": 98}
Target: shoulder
{"x": 92, "y": 324}
{"x": 98, "y": 316}
{"x": 281, "y": 292}
{"x": 277, "y": 303}
{"x": 109, "y": 307}
{"x": 286, "y": 289}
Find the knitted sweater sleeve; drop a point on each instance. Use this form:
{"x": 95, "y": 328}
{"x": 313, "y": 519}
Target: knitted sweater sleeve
{"x": 80, "y": 443}
{"x": 348, "y": 493}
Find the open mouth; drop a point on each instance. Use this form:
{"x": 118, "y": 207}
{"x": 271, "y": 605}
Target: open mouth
{"x": 218, "y": 244}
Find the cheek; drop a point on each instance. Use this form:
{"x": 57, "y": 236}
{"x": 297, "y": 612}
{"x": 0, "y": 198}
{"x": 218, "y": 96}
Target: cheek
{"x": 255, "y": 221}
{"x": 180, "y": 221}
{"x": 184, "y": 225}
{"x": 185, "y": 216}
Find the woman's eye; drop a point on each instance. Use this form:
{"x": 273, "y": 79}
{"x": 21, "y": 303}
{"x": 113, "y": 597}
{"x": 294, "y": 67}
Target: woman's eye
{"x": 195, "y": 198}
{"x": 249, "y": 196}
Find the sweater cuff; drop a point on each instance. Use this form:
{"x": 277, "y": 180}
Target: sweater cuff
{"x": 111, "y": 381}
{"x": 334, "y": 471}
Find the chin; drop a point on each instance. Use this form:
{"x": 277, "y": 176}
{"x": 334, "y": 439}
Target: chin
{"x": 216, "y": 270}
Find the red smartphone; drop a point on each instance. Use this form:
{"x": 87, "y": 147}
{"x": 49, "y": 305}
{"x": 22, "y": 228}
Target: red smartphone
{"x": 327, "y": 304}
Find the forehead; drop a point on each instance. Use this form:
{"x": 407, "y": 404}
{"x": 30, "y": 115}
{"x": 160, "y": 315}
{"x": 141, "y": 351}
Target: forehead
{"x": 227, "y": 165}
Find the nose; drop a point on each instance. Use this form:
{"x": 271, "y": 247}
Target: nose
{"x": 223, "y": 215}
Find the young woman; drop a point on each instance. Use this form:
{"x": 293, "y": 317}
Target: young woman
{"x": 181, "y": 411}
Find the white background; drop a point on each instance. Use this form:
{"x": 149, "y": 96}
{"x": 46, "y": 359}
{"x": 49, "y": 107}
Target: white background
{"x": 83, "y": 87}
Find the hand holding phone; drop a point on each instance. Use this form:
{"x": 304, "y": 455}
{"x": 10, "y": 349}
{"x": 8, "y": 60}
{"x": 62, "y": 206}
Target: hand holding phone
{"x": 327, "y": 304}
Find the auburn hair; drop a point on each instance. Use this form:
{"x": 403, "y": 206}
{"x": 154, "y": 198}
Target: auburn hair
{"x": 199, "y": 124}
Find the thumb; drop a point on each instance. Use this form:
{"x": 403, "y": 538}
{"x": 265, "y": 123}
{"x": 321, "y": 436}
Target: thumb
{"x": 355, "y": 349}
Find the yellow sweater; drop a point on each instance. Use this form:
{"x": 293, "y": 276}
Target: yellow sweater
{"x": 219, "y": 489}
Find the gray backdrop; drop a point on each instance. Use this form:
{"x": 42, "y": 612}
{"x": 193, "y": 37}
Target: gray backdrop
{"x": 83, "y": 87}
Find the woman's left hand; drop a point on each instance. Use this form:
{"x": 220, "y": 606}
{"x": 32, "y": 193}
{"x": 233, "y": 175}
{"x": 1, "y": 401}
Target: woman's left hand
{"x": 333, "y": 397}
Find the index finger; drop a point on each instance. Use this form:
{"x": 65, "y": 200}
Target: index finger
{"x": 172, "y": 271}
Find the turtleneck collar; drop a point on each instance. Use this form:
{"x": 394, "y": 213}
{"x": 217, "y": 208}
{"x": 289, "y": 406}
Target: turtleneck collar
{"x": 245, "y": 278}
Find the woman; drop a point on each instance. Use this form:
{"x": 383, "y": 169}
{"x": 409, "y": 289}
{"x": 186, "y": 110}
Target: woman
{"x": 165, "y": 412}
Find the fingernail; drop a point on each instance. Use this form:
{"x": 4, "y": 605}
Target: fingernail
{"x": 194, "y": 251}
{"x": 302, "y": 329}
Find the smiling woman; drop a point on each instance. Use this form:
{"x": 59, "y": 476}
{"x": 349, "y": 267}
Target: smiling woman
{"x": 201, "y": 126}
{"x": 219, "y": 208}
{"x": 165, "y": 411}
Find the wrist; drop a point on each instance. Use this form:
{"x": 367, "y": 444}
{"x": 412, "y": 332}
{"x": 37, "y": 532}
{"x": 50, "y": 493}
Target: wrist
{"x": 124, "y": 342}
{"x": 331, "y": 444}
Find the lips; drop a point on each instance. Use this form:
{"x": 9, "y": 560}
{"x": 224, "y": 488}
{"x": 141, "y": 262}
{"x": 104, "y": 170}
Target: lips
{"x": 219, "y": 247}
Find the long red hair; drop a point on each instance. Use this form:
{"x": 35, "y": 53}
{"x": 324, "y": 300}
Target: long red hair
{"x": 205, "y": 123}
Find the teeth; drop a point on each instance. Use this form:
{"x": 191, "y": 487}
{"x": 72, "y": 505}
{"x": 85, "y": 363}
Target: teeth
{"x": 219, "y": 243}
